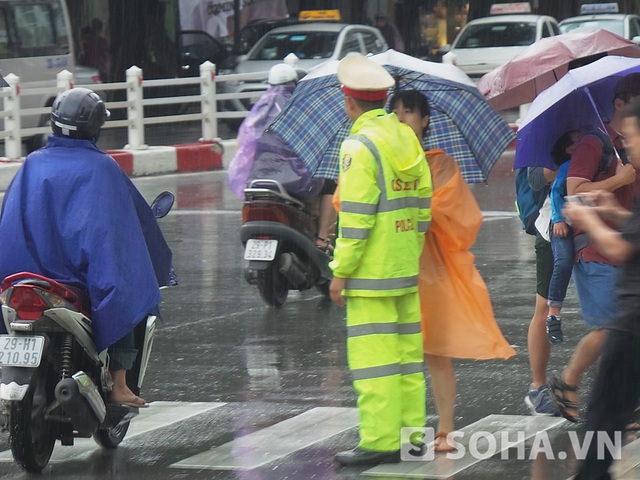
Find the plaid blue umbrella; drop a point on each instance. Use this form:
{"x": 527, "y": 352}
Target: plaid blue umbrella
{"x": 463, "y": 124}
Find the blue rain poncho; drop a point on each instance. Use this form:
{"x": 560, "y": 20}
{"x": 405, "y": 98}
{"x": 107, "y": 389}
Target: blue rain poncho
{"x": 71, "y": 214}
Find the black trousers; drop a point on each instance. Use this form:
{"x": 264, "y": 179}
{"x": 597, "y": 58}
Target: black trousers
{"x": 613, "y": 399}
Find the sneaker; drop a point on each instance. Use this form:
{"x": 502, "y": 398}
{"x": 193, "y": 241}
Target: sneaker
{"x": 554, "y": 329}
{"x": 540, "y": 402}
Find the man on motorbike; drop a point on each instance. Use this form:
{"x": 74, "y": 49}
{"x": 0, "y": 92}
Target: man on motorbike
{"x": 71, "y": 214}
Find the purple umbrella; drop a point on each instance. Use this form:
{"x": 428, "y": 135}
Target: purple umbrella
{"x": 581, "y": 100}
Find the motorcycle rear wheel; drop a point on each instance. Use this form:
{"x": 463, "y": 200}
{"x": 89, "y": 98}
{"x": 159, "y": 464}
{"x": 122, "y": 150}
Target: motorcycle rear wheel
{"x": 273, "y": 286}
{"x": 112, "y": 437}
{"x": 31, "y": 437}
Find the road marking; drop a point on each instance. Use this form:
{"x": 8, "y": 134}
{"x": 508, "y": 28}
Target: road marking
{"x": 630, "y": 459}
{"x": 319, "y": 424}
{"x": 208, "y": 211}
{"x": 623, "y": 469}
{"x": 274, "y": 442}
{"x": 498, "y": 213}
{"x": 443, "y": 467}
{"x": 486, "y": 214}
{"x": 159, "y": 414}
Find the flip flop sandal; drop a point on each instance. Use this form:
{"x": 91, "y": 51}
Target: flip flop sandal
{"x": 632, "y": 426}
{"x": 558, "y": 389}
{"x": 134, "y": 404}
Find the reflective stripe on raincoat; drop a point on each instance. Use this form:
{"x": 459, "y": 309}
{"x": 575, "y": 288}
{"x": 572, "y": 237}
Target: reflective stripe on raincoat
{"x": 385, "y": 190}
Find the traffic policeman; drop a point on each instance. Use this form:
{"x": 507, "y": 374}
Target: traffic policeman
{"x": 385, "y": 190}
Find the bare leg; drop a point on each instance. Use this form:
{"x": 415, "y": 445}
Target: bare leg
{"x": 554, "y": 311}
{"x": 586, "y": 353}
{"x": 538, "y": 344}
{"x": 328, "y": 217}
{"x": 443, "y": 384}
{"x": 121, "y": 391}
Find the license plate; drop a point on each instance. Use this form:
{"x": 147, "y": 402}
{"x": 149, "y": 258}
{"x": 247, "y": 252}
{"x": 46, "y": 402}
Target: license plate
{"x": 260, "y": 249}
{"x": 21, "y": 350}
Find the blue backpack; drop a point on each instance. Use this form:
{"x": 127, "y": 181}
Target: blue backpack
{"x": 528, "y": 201}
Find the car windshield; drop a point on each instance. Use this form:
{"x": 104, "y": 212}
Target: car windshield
{"x": 614, "y": 26}
{"x": 305, "y": 45}
{"x": 507, "y": 34}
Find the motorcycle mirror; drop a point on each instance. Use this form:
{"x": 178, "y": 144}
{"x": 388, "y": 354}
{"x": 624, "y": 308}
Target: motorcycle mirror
{"x": 162, "y": 204}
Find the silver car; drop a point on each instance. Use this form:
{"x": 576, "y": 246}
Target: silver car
{"x": 486, "y": 43}
{"x": 625, "y": 25}
{"x": 312, "y": 43}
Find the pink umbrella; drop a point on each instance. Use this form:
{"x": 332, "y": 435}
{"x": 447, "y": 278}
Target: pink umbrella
{"x": 542, "y": 64}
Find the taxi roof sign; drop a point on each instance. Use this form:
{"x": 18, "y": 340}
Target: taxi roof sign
{"x": 504, "y": 8}
{"x": 588, "y": 8}
{"x": 319, "y": 15}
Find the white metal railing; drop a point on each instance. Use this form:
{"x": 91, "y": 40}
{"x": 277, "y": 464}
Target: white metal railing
{"x": 206, "y": 101}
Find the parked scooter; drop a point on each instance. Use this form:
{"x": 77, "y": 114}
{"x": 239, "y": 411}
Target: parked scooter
{"x": 56, "y": 383}
{"x": 279, "y": 233}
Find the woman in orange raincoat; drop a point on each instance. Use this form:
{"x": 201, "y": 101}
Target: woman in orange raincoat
{"x": 457, "y": 316}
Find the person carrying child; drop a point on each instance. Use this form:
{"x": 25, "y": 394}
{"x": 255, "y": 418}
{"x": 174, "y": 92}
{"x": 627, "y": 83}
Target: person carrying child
{"x": 561, "y": 235}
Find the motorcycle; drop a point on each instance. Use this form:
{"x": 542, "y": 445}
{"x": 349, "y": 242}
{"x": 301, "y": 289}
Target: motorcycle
{"x": 55, "y": 382}
{"x": 278, "y": 233}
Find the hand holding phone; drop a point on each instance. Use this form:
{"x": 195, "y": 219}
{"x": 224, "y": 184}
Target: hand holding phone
{"x": 580, "y": 200}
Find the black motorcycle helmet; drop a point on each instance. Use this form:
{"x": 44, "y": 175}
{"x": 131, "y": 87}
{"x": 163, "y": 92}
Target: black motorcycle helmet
{"x": 78, "y": 113}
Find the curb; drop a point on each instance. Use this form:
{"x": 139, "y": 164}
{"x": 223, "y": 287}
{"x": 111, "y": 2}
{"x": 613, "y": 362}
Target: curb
{"x": 189, "y": 157}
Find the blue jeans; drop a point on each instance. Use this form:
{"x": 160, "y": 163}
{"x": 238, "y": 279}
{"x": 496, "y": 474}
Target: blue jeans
{"x": 562, "y": 248}
{"x": 595, "y": 284}
{"x": 122, "y": 354}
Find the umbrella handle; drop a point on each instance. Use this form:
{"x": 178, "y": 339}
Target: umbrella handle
{"x": 604, "y": 128}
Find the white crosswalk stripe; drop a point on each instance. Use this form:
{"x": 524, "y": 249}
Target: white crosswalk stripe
{"x": 501, "y": 428}
{"x": 622, "y": 469}
{"x": 159, "y": 414}
{"x": 274, "y": 442}
{"x": 495, "y": 437}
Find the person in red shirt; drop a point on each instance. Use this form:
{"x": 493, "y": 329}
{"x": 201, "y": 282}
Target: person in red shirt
{"x": 616, "y": 390}
{"x": 594, "y": 273}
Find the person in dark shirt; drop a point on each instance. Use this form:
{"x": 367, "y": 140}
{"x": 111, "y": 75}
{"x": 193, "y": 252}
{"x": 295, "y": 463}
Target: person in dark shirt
{"x": 617, "y": 390}
{"x": 390, "y": 32}
{"x": 594, "y": 272}
{"x": 95, "y": 49}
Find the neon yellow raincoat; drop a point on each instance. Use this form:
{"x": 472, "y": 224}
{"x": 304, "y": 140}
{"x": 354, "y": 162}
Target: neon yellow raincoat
{"x": 385, "y": 190}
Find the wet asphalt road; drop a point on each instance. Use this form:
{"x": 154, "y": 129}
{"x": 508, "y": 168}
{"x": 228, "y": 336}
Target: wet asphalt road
{"x": 250, "y": 367}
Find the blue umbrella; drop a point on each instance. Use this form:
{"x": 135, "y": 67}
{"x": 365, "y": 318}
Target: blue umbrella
{"x": 581, "y": 100}
{"x": 463, "y": 124}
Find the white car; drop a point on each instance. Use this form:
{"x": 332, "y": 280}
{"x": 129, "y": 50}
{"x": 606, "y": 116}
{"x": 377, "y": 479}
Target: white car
{"x": 486, "y": 43}
{"x": 312, "y": 43}
{"x": 625, "y": 25}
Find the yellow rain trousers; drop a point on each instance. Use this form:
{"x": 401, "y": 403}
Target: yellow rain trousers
{"x": 390, "y": 384}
